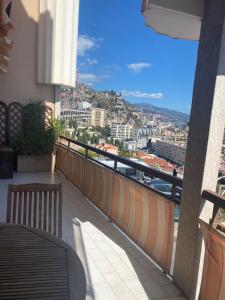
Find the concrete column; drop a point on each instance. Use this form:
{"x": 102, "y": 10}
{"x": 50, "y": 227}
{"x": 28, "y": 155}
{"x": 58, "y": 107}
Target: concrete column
{"x": 204, "y": 146}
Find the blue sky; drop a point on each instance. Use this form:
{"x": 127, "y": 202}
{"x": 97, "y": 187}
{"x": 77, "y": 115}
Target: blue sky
{"x": 117, "y": 51}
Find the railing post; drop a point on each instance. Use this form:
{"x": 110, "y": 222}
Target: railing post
{"x": 174, "y": 186}
{"x": 67, "y": 159}
{"x": 86, "y": 152}
{"x": 174, "y": 192}
{"x": 215, "y": 218}
{"x": 115, "y": 165}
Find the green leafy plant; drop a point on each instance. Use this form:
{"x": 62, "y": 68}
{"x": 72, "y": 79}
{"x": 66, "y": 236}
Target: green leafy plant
{"x": 222, "y": 215}
{"x": 40, "y": 132}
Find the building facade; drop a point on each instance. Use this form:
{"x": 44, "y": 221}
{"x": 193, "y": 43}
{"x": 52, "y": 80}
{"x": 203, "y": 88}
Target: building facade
{"x": 133, "y": 145}
{"x": 171, "y": 151}
{"x": 121, "y": 131}
{"x": 98, "y": 117}
{"x": 84, "y": 105}
{"x": 81, "y": 116}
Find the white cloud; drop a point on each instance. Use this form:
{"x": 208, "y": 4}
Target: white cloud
{"x": 88, "y": 62}
{"x": 92, "y": 61}
{"x": 138, "y": 94}
{"x": 83, "y": 64}
{"x": 138, "y": 67}
{"x": 90, "y": 78}
{"x": 113, "y": 67}
{"x": 87, "y": 43}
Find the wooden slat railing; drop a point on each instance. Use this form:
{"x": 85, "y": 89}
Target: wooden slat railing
{"x": 143, "y": 214}
{"x": 151, "y": 172}
{"x": 213, "y": 277}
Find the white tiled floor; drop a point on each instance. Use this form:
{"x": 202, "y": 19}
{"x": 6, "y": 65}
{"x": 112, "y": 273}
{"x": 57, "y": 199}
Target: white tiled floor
{"x": 115, "y": 268}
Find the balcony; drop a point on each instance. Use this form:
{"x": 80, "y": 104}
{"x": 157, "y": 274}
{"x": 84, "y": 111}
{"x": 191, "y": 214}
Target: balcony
{"x": 123, "y": 231}
{"x": 146, "y": 215}
{"x": 115, "y": 267}
{"x": 102, "y": 207}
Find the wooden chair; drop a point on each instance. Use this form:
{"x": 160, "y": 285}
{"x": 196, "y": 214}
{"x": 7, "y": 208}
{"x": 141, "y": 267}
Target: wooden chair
{"x": 37, "y": 205}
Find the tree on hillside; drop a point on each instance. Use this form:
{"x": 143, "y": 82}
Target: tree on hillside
{"x": 72, "y": 123}
{"x": 104, "y": 131}
{"x": 94, "y": 139}
{"x": 84, "y": 138}
{"x": 110, "y": 140}
{"x": 119, "y": 144}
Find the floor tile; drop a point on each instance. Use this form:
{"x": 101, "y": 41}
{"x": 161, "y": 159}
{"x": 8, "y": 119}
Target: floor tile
{"x": 118, "y": 286}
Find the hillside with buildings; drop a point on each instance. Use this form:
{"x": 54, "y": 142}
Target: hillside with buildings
{"x": 117, "y": 108}
{"x": 104, "y": 117}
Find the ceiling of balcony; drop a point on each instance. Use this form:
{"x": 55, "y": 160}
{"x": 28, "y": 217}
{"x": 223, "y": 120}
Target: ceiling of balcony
{"x": 179, "y": 19}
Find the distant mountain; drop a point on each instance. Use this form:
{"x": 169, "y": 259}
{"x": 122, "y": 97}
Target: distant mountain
{"x": 170, "y": 114}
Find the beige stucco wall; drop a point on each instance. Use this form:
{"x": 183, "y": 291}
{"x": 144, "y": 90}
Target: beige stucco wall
{"x": 19, "y": 83}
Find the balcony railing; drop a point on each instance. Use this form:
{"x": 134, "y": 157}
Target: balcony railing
{"x": 214, "y": 267}
{"x": 219, "y": 203}
{"x": 144, "y": 214}
{"x": 151, "y": 172}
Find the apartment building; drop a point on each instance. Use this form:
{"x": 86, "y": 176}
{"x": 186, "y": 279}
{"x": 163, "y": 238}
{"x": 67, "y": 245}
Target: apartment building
{"x": 84, "y": 105}
{"x": 133, "y": 145}
{"x": 174, "y": 152}
{"x": 81, "y": 116}
{"x": 139, "y": 133}
{"x": 98, "y": 117}
{"x": 121, "y": 131}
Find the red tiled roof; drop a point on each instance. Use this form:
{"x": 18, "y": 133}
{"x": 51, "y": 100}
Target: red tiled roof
{"x": 106, "y": 147}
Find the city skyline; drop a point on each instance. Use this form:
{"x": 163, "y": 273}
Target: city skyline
{"x": 129, "y": 58}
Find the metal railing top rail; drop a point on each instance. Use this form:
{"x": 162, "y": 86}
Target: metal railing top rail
{"x": 218, "y": 201}
{"x": 175, "y": 181}
{"x": 215, "y": 198}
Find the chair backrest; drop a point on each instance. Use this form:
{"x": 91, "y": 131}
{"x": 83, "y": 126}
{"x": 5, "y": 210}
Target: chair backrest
{"x": 37, "y": 205}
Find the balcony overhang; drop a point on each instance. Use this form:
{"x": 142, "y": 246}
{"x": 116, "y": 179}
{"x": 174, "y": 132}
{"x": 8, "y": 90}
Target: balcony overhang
{"x": 179, "y": 19}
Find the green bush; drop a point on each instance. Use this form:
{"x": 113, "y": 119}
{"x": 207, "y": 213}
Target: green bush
{"x": 222, "y": 215}
{"x": 40, "y": 132}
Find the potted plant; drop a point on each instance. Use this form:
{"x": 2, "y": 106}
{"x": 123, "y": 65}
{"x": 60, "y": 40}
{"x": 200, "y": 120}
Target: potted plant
{"x": 36, "y": 144}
